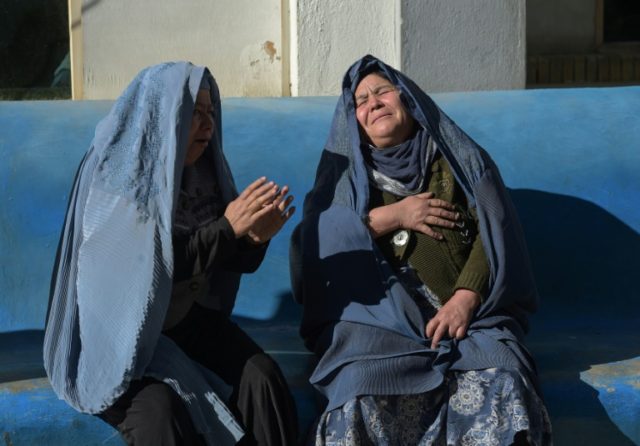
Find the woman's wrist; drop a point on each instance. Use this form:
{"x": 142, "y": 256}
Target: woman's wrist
{"x": 383, "y": 219}
{"x": 468, "y": 297}
{"x": 253, "y": 240}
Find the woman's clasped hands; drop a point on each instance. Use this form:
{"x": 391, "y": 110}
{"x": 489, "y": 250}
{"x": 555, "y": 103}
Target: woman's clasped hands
{"x": 260, "y": 211}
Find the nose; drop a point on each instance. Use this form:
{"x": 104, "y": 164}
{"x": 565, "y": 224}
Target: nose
{"x": 207, "y": 122}
{"x": 374, "y": 102}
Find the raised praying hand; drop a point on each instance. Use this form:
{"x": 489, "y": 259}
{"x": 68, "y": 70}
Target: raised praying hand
{"x": 260, "y": 211}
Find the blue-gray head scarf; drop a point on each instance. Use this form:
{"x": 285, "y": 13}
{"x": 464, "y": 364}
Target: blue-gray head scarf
{"x": 405, "y": 164}
{"x": 358, "y": 317}
{"x": 112, "y": 279}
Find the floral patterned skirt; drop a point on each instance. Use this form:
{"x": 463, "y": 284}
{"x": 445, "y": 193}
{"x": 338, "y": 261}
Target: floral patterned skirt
{"x": 475, "y": 408}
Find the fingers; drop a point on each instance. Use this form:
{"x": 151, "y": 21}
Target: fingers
{"x": 426, "y": 195}
{"x": 285, "y": 204}
{"x": 290, "y": 212}
{"x": 431, "y": 327}
{"x": 440, "y": 332}
{"x": 438, "y": 328}
{"x": 461, "y": 332}
{"x": 263, "y": 195}
{"x": 425, "y": 229}
{"x": 280, "y": 201}
{"x": 435, "y": 202}
{"x": 444, "y": 214}
{"x": 439, "y": 221}
{"x": 264, "y": 210}
{"x": 284, "y": 212}
{"x": 438, "y": 203}
{"x": 252, "y": 187}
{"x": 260, "y": 192}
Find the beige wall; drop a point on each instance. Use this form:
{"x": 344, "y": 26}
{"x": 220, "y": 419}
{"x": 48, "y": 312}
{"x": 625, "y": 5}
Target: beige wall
{"x": 239, "y": 40}
{"x": 299, "y": 47}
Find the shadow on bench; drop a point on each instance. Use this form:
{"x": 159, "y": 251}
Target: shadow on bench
{"x": 585, "y": 337}
{"x": 46, "y": 420}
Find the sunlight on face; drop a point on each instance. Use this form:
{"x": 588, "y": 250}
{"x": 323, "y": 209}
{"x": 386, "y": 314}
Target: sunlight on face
{"x": 380, "y": 112}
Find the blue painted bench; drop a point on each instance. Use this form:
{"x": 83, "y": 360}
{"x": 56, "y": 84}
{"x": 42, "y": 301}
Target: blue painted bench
{"x": 570, "y": 158}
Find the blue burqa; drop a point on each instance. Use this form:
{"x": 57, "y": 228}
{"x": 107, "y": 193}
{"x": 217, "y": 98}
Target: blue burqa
{"x": 358, "y": 317}
{"x": 112, "y": 278}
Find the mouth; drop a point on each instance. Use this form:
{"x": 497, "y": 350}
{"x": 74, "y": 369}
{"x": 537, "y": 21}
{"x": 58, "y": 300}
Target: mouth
{"x": 376, "y": 119}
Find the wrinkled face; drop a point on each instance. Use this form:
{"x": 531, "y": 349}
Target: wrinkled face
{"x": 201, "y": 127}
{"x": 380, "y": 113}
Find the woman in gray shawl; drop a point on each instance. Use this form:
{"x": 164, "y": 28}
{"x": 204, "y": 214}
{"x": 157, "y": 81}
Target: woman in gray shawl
{"x": 154, "y": 243}
{"x": 414, "y": 276}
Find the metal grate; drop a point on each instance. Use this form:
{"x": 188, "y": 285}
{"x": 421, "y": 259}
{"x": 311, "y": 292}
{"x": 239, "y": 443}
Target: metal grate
{"x": 583, "y": 69}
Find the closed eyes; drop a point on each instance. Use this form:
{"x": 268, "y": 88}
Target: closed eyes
{"x": 377, "y": 92}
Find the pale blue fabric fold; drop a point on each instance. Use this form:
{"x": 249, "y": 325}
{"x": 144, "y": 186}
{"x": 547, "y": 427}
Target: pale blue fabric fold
{"x": 358, "y": 317}
{"x": 112, "y": 279}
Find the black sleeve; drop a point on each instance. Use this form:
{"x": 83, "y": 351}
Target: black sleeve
{"x": 248, "y": 257}
{"x": 214, "y": 246}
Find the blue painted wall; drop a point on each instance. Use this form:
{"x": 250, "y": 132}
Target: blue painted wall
{"x": 582, "y": 143}
{"x": 570, "y": 157}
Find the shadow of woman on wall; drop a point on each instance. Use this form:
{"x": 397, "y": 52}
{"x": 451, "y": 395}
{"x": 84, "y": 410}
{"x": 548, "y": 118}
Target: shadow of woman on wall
{"x": 587, "y": 265}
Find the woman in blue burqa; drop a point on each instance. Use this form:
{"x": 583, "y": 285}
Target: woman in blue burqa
{"x": 154, "y": 242}
{"x": 413, "y": 272}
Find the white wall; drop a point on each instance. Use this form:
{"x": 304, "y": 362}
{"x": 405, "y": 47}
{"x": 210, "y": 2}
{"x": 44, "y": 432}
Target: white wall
{"x": 299, "y": 47}
{"x": 239, "y": 40}
{"x": 332, "y": 34}
{"x": 444, "y": 45}
{"x": 458, "y": 45}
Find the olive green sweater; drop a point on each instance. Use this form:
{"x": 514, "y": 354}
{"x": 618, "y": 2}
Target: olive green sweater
{"x": 446, "y": 265}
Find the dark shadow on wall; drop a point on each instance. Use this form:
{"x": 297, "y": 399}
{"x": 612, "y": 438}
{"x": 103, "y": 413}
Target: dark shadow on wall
{"x": 21, "y": 355}
{"x": 586, "y": 265}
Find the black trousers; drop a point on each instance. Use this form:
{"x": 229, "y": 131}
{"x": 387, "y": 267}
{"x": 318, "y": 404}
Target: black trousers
{"x": 151, "y": 413}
